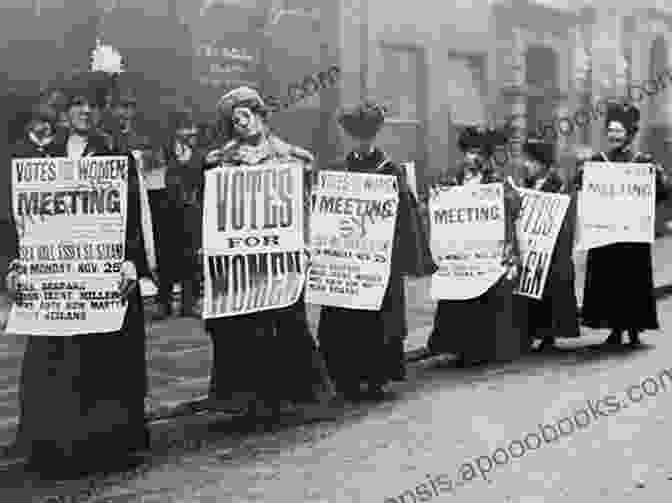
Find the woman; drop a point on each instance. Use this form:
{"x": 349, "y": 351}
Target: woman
{"x": 184, "y": 181}
{"x": 556, "y": 314}
{"x": 368, "y": 346}
{"x": 279, "y": 339}
{"x": 630, "y": 264}
{"x": 79, "y": 413}
{"x": 485, "y": 328}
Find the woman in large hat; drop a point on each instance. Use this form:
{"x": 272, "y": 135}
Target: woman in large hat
{"x": 79, "y": 412}
{"x": 606, "y": 306}
{"x": 367, "y": 347}
{"x": 272, "y": 384}
{"x": 556, "y": 314}
{"x": 485, "y": 328}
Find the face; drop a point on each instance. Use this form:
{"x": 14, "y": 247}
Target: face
{"x": 80, "y": 114}
{"x": 617, "y": 135}
{"x": 473, "y": 155}
{"x": 533, "y": 168}
{"x": 41, "y": 129}
{"x": 246, "y": 124}
{"x": 472, "y": 173}
{"x": 187, "y": 136}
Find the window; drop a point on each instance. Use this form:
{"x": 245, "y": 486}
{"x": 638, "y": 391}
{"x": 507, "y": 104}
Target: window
{"x": 398, "y": 82}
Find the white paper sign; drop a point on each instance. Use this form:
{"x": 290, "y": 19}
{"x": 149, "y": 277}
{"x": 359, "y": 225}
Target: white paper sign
{"x": 253, "y": 241}
{"x": 541, "y": 217}
{"x": 71, "y": 220}
{"x": 352, "y": 237}
{"x": 467, "y": 226}
{"x": 616, "y": 204}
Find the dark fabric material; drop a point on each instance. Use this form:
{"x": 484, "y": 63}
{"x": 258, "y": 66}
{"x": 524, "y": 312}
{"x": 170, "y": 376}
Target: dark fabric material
{"x": 78, "y": 411}
{"x": 556, "y": 314}
{"x": 242, "y": 345}
{"x": 629, "y": 264}
{"x": 488, "y": 328}
{"x": 362, "y": 345}
{"x": 493, "y": 326}
{"x": 282, "y": 335}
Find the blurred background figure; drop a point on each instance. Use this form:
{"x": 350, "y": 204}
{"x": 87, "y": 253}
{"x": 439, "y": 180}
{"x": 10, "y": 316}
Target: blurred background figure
{"x": 184, "y": 183}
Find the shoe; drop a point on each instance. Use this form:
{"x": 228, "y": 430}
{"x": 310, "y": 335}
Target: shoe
{"x": 547, "y": 344}
{"x": 615, "y": 338}
{"x": 633, "y": 335}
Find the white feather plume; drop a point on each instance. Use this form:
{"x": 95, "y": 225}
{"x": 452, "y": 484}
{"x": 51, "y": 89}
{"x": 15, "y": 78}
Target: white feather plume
{"x": 107, "y": 59}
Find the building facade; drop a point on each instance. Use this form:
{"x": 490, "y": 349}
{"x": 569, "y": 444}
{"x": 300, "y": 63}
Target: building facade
{"x": 438, "y": 66}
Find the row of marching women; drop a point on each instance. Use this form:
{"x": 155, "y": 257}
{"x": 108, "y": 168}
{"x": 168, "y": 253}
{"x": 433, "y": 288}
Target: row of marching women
{"x": 348, "y": 246}
{"x": 499, "y": 323}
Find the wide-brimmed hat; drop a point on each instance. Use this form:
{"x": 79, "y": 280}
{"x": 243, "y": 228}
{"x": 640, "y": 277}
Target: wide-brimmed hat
{"x": 92, "y": 86}
{"x": 625, "y": 113}
{"x": 539, "y": 150}
{"x": 472, "y": 137}
{"x": 241, "y": 97}
{"x": 363, "y": 120}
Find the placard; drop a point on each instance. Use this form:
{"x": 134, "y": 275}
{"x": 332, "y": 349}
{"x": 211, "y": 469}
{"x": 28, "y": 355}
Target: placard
{"x": 352, "y": 237}
{"x": 617, "y": 204}
{"x": 467, "y": 227}
{"x": 253, "y": 244}
{"x": 71, "y": 220}
{"x": 541, "y": 218}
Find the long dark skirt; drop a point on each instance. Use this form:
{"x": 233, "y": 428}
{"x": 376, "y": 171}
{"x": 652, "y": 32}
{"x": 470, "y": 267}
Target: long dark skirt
{"x": 619, "y": 288}
{"x": 280, "y": 343}
{"x": 492, "y": 327}
{"x": 82, "y": 398}
{"x": 556, "y": 313}
{"x": 365, "y": 346}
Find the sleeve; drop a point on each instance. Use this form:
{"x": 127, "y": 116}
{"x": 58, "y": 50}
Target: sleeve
{"x": 662, "y": 183}
{"x": 512, "y": 209}
{"x": 135, "y": 244}
{"x": 412, "y": 233}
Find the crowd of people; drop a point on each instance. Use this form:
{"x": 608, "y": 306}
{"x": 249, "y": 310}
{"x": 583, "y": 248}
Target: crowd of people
{"x": 79, "y": 413}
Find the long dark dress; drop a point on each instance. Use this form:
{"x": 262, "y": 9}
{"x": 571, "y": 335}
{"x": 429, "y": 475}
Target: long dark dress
{"x": 493, "y": 326}
{"x": 287, "y": 365}
{"x": 605, "y": 305}
{"x": 556, "y": 314}
{"x": 368, "y": 346}
{"x": 79, "y": 411}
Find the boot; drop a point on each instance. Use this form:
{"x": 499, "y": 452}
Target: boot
{"x": 615, "y": 338}
{"x": 633, "y": 335}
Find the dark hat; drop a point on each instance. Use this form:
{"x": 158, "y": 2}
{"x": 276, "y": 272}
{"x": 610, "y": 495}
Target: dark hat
{"x": 362, "y": 121}
{"x": 183, "y": 119}
{"x": 472, "y": 137}
{"x": 539, "y": 150}
{"x": 241, "y": 97}
{"x": 93, "y": 86}
{"x": 625, "y": 113}
{"x": 496, "y": 137}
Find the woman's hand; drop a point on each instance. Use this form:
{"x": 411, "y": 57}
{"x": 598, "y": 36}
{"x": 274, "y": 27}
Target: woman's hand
{"x": 16, "y": 278}
{"x": 214, "y": 157}
{"x": 129, "y": 279}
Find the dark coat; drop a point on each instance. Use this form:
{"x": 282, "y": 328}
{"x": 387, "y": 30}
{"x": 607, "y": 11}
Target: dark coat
{"x": 628, "y": 264}
{"x": 368, "y": 346}
{"x": 556, "y": 314}
{"x": 496, "y": 321}
{"x": 75, "y": 404}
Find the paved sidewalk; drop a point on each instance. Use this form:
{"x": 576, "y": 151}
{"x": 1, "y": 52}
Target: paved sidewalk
{"x": 180, "y": 352}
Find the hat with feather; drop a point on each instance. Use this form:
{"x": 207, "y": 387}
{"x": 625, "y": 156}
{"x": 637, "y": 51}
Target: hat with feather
{"x": 94, "y": 87}
{"x": 362, "y": 121}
